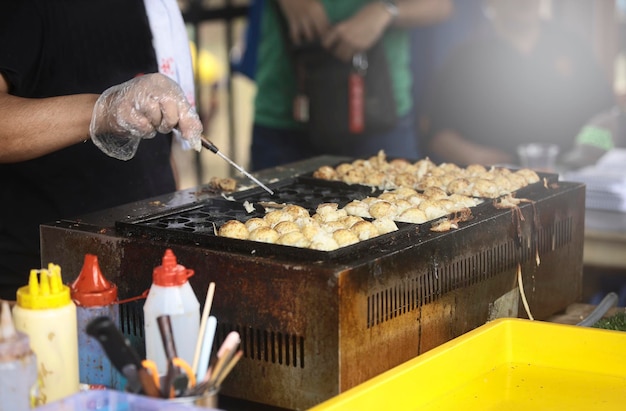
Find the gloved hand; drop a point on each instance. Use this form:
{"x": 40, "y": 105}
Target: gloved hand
{"x": 139, "y": 108}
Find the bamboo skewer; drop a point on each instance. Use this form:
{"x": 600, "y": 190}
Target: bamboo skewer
{"x": 205, "y": 316}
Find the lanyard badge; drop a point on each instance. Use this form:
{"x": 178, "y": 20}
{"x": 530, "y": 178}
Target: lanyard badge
{"x": 356, "y": 93}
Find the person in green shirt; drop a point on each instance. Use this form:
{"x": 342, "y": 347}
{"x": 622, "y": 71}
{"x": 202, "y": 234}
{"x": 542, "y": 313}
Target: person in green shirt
{"x": 344, "y": 28}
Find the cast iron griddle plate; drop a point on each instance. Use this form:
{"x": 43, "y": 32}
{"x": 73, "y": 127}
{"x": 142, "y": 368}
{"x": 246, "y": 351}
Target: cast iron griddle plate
{"x": 197, "y": 224}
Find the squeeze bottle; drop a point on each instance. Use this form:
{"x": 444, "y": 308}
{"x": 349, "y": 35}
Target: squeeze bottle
{"x": 18, "y": 366}
{"x": 95, "y": 297}
{"x": 171, "y": 294}
{"x": 47, "y": 314}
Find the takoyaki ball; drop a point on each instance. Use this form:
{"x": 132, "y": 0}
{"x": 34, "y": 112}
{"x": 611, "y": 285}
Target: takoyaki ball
{"x": 429, "y": 181}
{"x": 530, "y": 175}
{"x": 324, "y": 208}
{"x": 234, "y": 229}
{"x": 350, "y": 220}
{"x": 390, "y": 196}
{"x": 294, "y": 239}
{"x": 353, "y": 176}
{"x": 449, "y": 168}
{"x": 345, "y": 237}
{"x": 474, "y": 170}
{"x": 310, "y": 231}
{"x": 447, "y": 178}
{"x": 359, "y": 163}
{"x": 432, "y": 209}
{"x": 459, "y": 186}
{"x": 417, "y": 199}
{"x": 503, "y": 184}
{"x": 256, "y": 222}
{"x": 402, "y": 205}
{"x": 399, "y": 164}
{"x": 324, "y": 242}
{"x": 501, "y": 171}
{"x": 327, "y": 212}
{"x": 285, "y": 227}
{"x": 276, "y": 216}
{"x": 325, "y": 173}
{"x": 306, "y": 221}
{"x": 332, "y": 226}
{"x": 370, "y": 200}
{"x": 375, "y": 178}
{"x": 412, "y": 215}
{"x": 296, "y": 211}
{"x": 365, "y": 230}
{"x": 382, "y": 209}
{"x": 264, "y": 234}
{"x": 435, "y": 193}
{"x": 517, "y": 181}
{"x": 463, "y": 200}
{"x": 406, "y": 180}
{"x": 446, "y": 204}
{"x": 485, "y": 188}
{"x": 404, "y": 192}
{"x": 424, "y": 166}
{"x": 343, "y": 168}
{"x": 385, "y": 225}
{"x": 358, "y": 208}
{"x": 380, "y": 159}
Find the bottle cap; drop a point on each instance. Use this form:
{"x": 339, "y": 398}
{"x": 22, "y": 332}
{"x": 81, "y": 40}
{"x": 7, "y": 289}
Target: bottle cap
{"x": 91, "y": 289}
{"x": 14, "y": 344}
{"x": 170, "y": 273}
{"x": 49, "y": 292}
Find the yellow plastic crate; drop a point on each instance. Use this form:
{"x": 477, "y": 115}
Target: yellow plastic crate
{"x": 507, "y": 364}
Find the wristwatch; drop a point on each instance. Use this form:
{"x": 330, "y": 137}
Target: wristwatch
{"x": 391, "y": 7}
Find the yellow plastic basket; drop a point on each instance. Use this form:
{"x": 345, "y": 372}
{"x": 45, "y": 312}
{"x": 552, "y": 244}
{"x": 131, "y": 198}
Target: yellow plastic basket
{"x": 507, "y": 364}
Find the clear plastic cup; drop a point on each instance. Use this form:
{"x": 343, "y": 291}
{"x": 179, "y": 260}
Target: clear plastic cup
{"x": 538, "y": 156}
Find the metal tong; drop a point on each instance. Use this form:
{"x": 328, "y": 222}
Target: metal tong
{"x": 213, "y": 148}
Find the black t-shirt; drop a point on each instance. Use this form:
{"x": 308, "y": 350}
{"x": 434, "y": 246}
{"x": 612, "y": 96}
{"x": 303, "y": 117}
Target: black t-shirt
{"x": 51, "y": 48}
{"x": 494, "y": 96}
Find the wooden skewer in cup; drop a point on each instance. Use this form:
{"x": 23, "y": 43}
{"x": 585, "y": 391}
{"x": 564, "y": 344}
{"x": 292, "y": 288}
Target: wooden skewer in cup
{"x": 227, "y": 358}
{"x": 205, "y": 316}
{"x": 224, "y": 356}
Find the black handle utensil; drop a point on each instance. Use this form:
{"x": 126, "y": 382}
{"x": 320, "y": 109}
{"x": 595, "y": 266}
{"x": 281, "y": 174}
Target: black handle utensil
{"x": 122, "y": 356}
{"x": 213, "y": 148}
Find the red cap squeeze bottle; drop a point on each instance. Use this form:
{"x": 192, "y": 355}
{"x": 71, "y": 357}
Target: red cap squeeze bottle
{"x": 95, "y": 297}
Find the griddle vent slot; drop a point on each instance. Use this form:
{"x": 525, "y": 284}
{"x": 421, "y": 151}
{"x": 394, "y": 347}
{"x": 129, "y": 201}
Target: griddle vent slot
{"x": 410, "y": 294}
{"x": 273, "y": 347}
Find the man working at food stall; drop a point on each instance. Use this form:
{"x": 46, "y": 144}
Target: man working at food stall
{"x": 75, "y": 98}
{"x": 523, "y": 80}
{"x": 284, "y": 115}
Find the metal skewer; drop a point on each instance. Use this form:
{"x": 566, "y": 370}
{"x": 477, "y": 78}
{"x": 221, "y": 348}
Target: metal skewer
{"x": 210, "y": 146}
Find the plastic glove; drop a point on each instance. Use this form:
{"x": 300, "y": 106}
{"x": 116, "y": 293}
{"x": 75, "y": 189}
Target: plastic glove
{"x": 139, "y": 108}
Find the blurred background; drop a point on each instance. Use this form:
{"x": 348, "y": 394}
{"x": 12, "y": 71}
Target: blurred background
{"x": 217, "y": 32}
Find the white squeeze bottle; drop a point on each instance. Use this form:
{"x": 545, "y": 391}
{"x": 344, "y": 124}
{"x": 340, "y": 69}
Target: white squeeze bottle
{"x": 171, "y": 294}
{"x": 18, "y": 366}
{"x": 46, "y": 313}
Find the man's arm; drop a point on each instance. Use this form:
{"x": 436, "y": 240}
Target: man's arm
{"x": 32, "y": 128}
{"x": 413, "y": 13}
{"x": 363, "y": 29}
{"x": 133, "y": 110}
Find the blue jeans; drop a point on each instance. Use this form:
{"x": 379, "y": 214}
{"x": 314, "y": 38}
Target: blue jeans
{"x": 272, "y": 147}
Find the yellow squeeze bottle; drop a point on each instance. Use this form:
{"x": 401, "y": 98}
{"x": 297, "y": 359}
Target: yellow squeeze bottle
{"x": 47, "y": 314}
